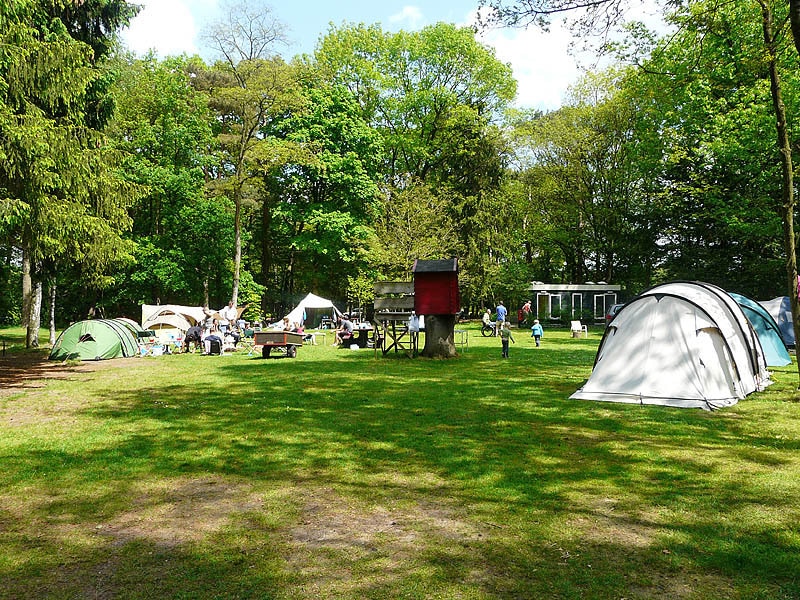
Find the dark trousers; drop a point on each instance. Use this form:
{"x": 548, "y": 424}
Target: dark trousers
{"x": 505, "y": 348}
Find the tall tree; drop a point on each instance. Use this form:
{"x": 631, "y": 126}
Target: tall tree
{"x": 436, "y": 96}
{"x": 248, "y": 87}
{"x": 164, "y": 126}
{"x": 56, "y": 171}
{"x": 323, "y": 192}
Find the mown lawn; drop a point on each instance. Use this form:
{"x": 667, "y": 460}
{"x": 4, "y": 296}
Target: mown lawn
{"x": 342, "y": 475}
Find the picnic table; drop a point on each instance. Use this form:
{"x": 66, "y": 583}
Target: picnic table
{"x": 360, "y": 337}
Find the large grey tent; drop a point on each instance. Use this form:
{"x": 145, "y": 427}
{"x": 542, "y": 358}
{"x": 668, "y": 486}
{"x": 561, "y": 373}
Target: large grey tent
{"x": 769, "y": 334}
{"x": 95, "y": 339}
{"x": 781, "y": 310}
{"x": 683, "y": 344}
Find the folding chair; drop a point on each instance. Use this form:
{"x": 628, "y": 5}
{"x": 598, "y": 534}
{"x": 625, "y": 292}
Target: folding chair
{"x": 247, "y": 342}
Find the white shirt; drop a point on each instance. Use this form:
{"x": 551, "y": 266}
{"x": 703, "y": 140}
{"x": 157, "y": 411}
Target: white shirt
{"x": 229, "y": 313}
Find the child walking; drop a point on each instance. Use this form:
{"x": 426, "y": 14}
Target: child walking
{"x": 505, "y": 335}
{"x": 536, "y": 331}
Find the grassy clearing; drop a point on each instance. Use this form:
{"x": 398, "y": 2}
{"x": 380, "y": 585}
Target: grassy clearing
{"x": 339, "y": 475}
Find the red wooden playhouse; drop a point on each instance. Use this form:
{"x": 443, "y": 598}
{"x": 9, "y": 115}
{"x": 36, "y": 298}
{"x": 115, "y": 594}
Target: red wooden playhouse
{"x": 436, "y": 287}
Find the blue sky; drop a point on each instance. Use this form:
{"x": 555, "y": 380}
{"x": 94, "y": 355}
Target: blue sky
{"x": 540, "y": 60}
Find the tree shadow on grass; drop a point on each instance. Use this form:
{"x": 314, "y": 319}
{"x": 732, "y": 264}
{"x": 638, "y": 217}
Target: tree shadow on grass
{"x": 355, "y": 477}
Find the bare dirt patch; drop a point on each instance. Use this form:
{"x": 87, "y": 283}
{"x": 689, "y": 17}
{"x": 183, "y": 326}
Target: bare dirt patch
{"x": 29, "y": 370}
{"x": 169, "y": 513}
{"x": 333, "y": 530}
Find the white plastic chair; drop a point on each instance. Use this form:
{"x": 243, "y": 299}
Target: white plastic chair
{"x": 577, "y": 329}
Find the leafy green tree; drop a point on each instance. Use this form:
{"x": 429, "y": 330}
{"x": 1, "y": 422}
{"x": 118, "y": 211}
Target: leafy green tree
{"x": 323, "y": 191}
{"x": 414, "y": 221}
{"x": 164, "y": 126}
{"x": 436, "y": 97}
{"x": 64, "y": 199}
{"x": 249, "y": 86}
{"x": 577, "y": 165}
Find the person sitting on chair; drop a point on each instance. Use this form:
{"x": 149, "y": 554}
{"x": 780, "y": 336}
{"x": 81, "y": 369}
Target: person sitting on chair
{"x": 213, "y": 342}
{"x": 235, "y": 336}
{"x": 344, "y": 331}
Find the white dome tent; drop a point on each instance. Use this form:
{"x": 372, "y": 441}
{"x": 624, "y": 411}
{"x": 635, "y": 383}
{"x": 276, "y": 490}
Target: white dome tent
{"x": 683, "y": 344}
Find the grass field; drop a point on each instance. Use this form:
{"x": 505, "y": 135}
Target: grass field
{"x": 341, "y": 475}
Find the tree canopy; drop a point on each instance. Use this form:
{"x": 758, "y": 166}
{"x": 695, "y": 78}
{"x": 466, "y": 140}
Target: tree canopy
{"x": 173, "y": 180}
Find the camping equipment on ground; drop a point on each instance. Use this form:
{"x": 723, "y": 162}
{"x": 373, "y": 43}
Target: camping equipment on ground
{"x": 285, "y": 341}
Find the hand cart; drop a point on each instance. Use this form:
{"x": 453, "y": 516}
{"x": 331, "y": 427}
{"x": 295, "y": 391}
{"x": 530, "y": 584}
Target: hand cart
{"x": 285, "y": 341}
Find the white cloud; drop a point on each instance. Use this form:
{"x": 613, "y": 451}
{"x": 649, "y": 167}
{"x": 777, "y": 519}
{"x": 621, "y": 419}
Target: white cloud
{"x": 167, "y": 26}
{"x": 542, "y": 64}
{"x": 409, "y": 16}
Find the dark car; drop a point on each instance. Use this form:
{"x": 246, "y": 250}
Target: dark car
{"x": 612, "y": 311}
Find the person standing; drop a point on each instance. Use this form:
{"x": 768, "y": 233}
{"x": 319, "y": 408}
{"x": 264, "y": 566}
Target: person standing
{"x": 526, "y": 313}
{"x": 505, "y": 337}
{"x": 537, "y": 332}
{"x": 229, "y": 315}
{"x": 502, "y": 315}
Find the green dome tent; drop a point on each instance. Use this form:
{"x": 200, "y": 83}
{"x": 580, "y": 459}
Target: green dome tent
{"x": 96, "y": 339}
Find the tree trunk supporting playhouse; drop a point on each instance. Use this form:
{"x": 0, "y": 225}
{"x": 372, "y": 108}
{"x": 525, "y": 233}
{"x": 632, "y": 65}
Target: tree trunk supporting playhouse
{"x": 439, "y": 336}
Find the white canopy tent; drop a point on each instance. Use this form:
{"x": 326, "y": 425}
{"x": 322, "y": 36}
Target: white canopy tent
{"x": 309, "y": 308}
{"x": 170, "y": 321}
{"x": 683, "y": 344}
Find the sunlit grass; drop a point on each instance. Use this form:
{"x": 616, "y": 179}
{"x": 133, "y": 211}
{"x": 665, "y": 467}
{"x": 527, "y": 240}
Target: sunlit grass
{"x": 340, "y": 474}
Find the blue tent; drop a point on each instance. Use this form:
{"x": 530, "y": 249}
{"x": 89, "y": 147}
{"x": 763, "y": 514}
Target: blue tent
{"x": 767, "y": 330}
{"x": 781, "y": 311}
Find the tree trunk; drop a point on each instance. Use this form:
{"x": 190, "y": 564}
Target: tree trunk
{"x": 27, "y": 286}
{"x": 237, "y": 253}
{"x": 266, "y": 248}
{"x": 52, "y": 314}
{"x": 439, "y": 336}
{"x": 32, "y": 338}
{"x": 787, "y": 183}
{"x": 794, "y": 16}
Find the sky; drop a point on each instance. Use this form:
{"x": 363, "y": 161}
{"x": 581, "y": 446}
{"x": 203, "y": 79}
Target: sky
{"x": 541, "y": 62}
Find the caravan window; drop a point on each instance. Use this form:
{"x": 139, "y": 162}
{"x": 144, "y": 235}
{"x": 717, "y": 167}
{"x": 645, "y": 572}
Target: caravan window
{"x": 577, "y": 306}
{"x": 602, "y": 304}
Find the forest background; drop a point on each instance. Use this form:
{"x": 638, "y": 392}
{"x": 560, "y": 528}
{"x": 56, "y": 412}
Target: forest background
{"x": 128, "y": 180}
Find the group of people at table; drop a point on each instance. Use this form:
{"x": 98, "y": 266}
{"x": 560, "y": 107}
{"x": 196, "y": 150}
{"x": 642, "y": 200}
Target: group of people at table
{"x": 224, "y": 329}
{"x": 215, "y": 330}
